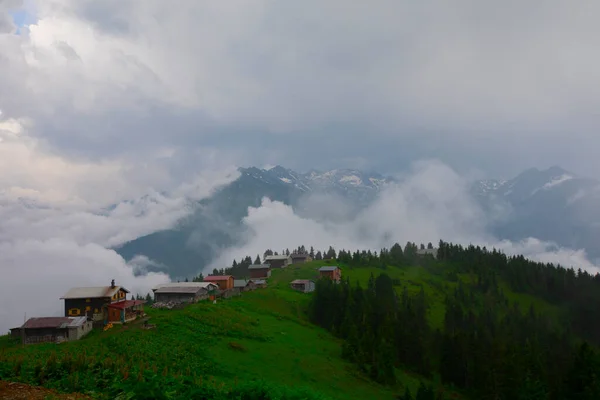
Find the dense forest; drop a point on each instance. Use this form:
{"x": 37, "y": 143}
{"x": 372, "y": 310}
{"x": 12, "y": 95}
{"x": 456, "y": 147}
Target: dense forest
{"x": 487, "y": 347}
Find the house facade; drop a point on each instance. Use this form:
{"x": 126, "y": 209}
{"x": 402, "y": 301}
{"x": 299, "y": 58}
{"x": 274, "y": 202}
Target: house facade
{"x": 278, "y": 261}
{"x": 303, "y": 285}
{"x": 244, "y": 285}
{"x": 331, "y": 272}
{"x": 125, "y": 311}
{"x": 259, "y": 271}
{"x": 224, "y": 282}
{"x": 181, "y": 294}
{"x": 52, "y": 329}
{"x": 93, "y": 302}
{"x": 300, "y": 258}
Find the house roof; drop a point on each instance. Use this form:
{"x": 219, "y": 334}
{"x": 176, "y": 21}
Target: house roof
{"x": 179, "y": 289}
{"x": 214, "y": 278}
{"x": 259, "y": 266}
{"x": 259, "y": 281}
{"x": 280, "y": 257}
{"x": 241, "y": 282}
{"x": 299, "y": 255}
{"x": 328, "y": 268}
{"x": 301, "y": 281}
{"x": 92, "y": 292}
{"x": 53, "y": 322}
{"x": 121, "y": 305}
{"x": 203, "y": 285}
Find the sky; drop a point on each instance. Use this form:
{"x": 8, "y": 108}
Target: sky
{"x": 156, "y": 104}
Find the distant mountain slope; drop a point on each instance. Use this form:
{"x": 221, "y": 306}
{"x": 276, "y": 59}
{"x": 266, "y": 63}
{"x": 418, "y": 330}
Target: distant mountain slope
{"x": 553, "y": 205}
{"x": 216, "y": 222}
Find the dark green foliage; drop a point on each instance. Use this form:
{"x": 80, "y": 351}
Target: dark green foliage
{"x": 488, "y": 346}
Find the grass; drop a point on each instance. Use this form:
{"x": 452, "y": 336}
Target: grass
{"x": 260, "y": 336}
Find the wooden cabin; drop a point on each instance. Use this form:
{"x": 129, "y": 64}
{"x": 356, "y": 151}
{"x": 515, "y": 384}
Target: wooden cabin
{"x": 52, "y": 329}
{"x": 332, "y": 272}
{"x": 224, "y": 282}
{"x": 259, "y": 271}
{"x": 93, "y": 302}
{"x": 125, "y": 311}
{"x": 300, "y": 258}
{"x": 278, "y": 261}
{"x": 303, "y": 285}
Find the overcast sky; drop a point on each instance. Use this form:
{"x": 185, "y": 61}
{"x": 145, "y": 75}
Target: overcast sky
{"x": 105, "y": 101}
{"x": 491, "y": 86}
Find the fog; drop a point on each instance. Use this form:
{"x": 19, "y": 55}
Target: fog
{"x": 46, "y": 249}
{"x": 430, "y": 203}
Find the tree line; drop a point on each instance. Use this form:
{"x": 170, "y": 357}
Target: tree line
{"x": 487, "y": 346}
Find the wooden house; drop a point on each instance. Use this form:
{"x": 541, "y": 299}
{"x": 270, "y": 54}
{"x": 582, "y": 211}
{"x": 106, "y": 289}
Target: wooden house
{"x": 124, "y": 311}
{"x": 92, "y": 302}
{"x": 224, "y": 282}
{"x": 300, "y": 258}
{"x": 183, "y": 292}
{"x": 52, "y": 329}
{"x": 244, "y": 285}
{"x": 303, "y": 285}
{"x": 331, "y": 272}
{"x": 278, "y": 261}
{"x": 258, "y": 271}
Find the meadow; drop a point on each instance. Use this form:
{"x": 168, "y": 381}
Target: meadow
{"x": 256, "y": 346}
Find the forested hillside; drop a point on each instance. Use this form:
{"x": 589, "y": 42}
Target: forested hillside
{"x": 488, "y": 345}
{"x": 471, "y": 324}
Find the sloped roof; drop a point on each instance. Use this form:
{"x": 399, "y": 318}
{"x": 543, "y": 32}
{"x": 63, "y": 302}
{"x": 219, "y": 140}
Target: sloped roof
{"x": 215, "y": 278}
{"x": 259, "y": 281}
{"x": 259, "y": 266}
{"x": 328, "y": 268}
{"x": 121, "y": 305}
{"x": 204, "y": 285}
{"x": 301, "y": 281}
{"x": 299, "y": 255}
{"x": 241, "y": 282}
{"x": 179, "y": 289}
{"x": 280, "y": 257}
{"x": 92, "y": 292}
{"x": 53, "y": 322}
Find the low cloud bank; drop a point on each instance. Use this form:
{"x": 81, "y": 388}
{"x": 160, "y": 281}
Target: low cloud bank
{"x": 45, "y": 249}
{"x": 430, "y": 203}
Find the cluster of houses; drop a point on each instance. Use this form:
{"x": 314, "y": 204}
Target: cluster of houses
{"x": 86, "y": 308}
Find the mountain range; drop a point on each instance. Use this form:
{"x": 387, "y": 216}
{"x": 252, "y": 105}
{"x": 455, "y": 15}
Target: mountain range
{"x": 551, "y": 205}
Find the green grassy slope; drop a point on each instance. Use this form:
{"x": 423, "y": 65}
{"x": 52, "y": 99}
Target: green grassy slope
{"x": 261, "y": 335}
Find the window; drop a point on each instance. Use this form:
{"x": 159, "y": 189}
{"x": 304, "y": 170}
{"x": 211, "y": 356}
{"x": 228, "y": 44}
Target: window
{"x": 95, "y": 311}
{"x": 88, "y": 308}
{"x": 88, "y": 300}
{"x": 74, "y": 311}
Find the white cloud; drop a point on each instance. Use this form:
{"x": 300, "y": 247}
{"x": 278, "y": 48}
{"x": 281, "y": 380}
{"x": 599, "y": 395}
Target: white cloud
{"x": 430, "y": 203}
{"x": 37, "y": 273}
{"x": 415, "y": 77}
{"x": 46, "y": 248}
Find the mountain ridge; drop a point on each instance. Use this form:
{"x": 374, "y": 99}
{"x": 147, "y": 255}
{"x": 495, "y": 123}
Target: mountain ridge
{"x": 552, "y": 205}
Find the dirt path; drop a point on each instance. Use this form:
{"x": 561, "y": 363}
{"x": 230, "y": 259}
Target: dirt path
{"x": 20, "y": 391}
